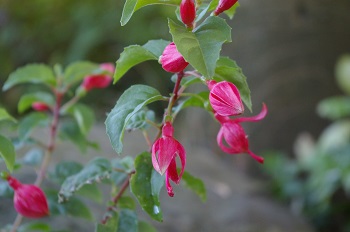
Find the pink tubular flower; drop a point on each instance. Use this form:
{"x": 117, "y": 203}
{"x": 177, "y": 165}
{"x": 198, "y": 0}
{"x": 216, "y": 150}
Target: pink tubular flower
{"x": 164, "y": 152}
{"x": 225, "y": 99}
{"x": 172, "y": 60}
{"x": 99, "y": 81}
{"x": 40, "y": 106}
{"x": 188, "y": 12}
{"x": 224, "y": 5}
{"x": 233, "y": 134}
{"x": 29, "y": 200}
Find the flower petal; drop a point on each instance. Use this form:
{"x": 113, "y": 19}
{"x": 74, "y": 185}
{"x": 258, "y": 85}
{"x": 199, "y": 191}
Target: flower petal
{"x": 172, "y": 172}
{"x": 255, "y": 118}
{"x": 256, "y": 157}
{"x": 168, "y": 186}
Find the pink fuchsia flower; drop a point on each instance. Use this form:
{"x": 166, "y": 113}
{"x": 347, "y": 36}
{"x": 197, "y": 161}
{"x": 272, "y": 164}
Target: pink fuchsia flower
{"x": 225, "y": 99}
{"x": 224, "y": 5}
{"x": 164, "y": 153}
{"x": 172, "y": 60}
{"x": 188, "y": 12}
{"x": 40, "y": 106}
{"x": 99, "y": 81}
{"x": 29, "y": 200}
{"x": 234, "y": 136}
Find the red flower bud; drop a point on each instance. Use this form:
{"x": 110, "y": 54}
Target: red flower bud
{"x": 109, "y": 67}
{"x": 29, "y": 200}
{"x": 224, "y": 5}
{"x": 40, "y": 106}
{"x": 172, "y": 60}
{"x": 96, "y": 81}
{"x": 225, "y": 99}
{"x": 188, "y": 12}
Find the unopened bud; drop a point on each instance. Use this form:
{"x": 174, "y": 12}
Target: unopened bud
{"x": 188, "y": 12}
{"x": 224, "y": 5}
{"x": 40, "y": 106}
{"x": 172, "y": 60}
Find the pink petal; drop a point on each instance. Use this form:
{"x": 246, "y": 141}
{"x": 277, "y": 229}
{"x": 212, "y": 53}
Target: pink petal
{"x": 172, "y": 172}
{"x": 219, "y": 140}
{"x": 168, "y": 186}
{"x": 182, "y": 155}
{"x": 257, "y": 158}
{"x": 155, "y": 153}
{"x": 256, "y": 118}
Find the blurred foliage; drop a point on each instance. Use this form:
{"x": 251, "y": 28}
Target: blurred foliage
{"x": 63, "y": 31}
{"x": 317, "y": 181}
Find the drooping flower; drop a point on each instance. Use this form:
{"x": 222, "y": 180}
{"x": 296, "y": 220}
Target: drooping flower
{"x": 164, "y": 153}
{"x": 188, "y": 12}
{"x": 99, "y": 80}
{"x": 232, "y": 138}
{"x": 40, "y": 106}
{"x": 172, "y": 60}
{"x": 224, "y": 5}
{"x": 225, "y": 98}
{"x": 29, "y": 200}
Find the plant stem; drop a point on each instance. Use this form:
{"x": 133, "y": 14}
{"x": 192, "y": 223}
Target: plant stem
{"x": 49, "y": 149}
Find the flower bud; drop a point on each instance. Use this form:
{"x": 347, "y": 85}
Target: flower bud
{"x": 29, "y": 200}
{"x": 225, "y": 99}
{"x": 96, "y": 81}
{"x": 224, "y": 5}
{"x": 172, "y": 60}
{"x": 109, "y": 67}
{"x": 40, "y": 106}
{"x": 188, "y": 12}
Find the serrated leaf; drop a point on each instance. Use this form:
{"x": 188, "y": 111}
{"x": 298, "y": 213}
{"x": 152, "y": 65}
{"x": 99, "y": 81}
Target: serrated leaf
{"x": 201, "y": 47}
{"x": 334, "y": 107}
{"x": 76, "y": 71}
{"x": 30, "y": 122}
{"x": 4, "y": 115}
{"x": 74, "y": 207}
{"x": 96, "y": 170}
{"x": 227, "y": 69}
{"x": 27, "y": 100}
{"x": 32, "y": 73}
{"x": 127, "y": 221}
{"x": 145, "y": 227}
{"x": 139, "y": 120}
{"x": 7, "y": 152}
{"x": 146, "y": 184}
{"x": 110, "y": 226}
{"x": 65, "y": 169}
{"x": 136, "y": 54}
{"x": 35, "y": 227}
{"x": 133, "y": 5}
{"x": 230, "y": 12}
{"x": 195, "y": 184}
{"x": 126, "y": 202}
{"x": 129, "y": 103}
{"x": 33, "y": 157}
{"x": 84, "y": 116}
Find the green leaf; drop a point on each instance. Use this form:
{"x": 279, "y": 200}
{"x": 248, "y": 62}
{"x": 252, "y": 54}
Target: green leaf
{"x": 6, "y": 116}
{"x": 7, "y": 152}
{"x": 70, "y": 130}
{"x": 230, "y": 12}
{"x": 334, "y": 107}
{"x": 92, "y": 192}
{"x": 139, "y": 120}
{"x": 145, "y": 227}
{"x": 342, "y": 73}
{"x": 27, "y": 100}
{"x": 34, "y": 227}
{"x": 201, "y": 47}
{"x": 30, "y": 122}
{"x": 74, "y": 207}
{"x": 228, "y": 70}
{"x": 136, "y": 54}
{"x": 96, "y": 170}
{"x": 146, "y": 184}
{"x": 84, "y": 116}
{"x": 32, "y": 73}
{"x": 200, "y": 100}
{"x": 121, "y": 169}
{"x": 127, "y": 221}
{"x": 129, "y": 103}
{"x": 110, "y": 226}
{"x": 65, "y": 169}
{"x": 133, "y": 5}
{"x": 76, "y": 71}
{"x": 126, "y": 202}
{"x": 195, "y": 184}
{"x": 33, "y": 157}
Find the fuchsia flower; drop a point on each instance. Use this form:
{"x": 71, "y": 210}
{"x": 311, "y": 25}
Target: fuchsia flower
{"x": 232, "y": 133}
{"x": 225, "y": 99}
{"x": 164, "y": 152}
{"x": 40, "y": 106}
{"x": 99, "y": 80}
{"x": 188, "y": 12}
{"x": 172, "y": 60}
{"x": 29, "y": 200}
{"x": 224, "y": 5}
